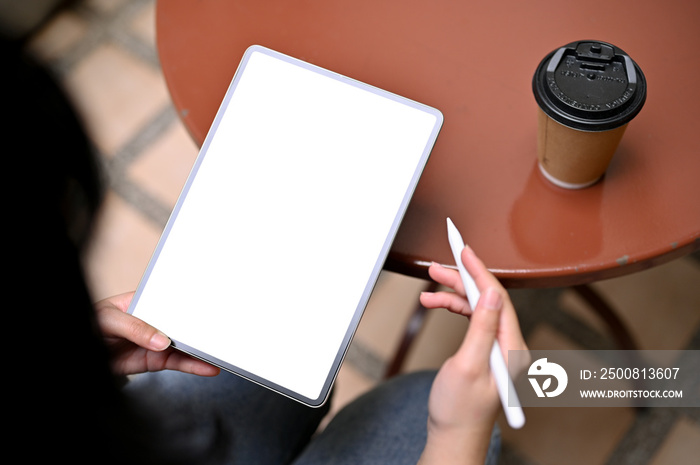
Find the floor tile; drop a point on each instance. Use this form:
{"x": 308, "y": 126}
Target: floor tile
{"x": 387, "y": 312}
{"x": 121, "y": 247}
{"x": 143, "y": 24}
{"x": 162, "y": 169}
{"x": 682, "y": 446}
{"x": 106, "y": 6}
{"x": 61, "y": 33}
{"x": 116, "y": 95}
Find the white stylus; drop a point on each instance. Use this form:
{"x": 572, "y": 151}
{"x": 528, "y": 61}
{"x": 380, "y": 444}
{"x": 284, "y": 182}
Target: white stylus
{"x": 504, "y": 383}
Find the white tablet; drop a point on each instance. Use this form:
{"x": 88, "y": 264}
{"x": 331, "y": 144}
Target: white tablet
{"x": 278, "y": 237}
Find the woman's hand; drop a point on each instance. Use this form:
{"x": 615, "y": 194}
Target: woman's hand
{"x": 464, "y": 402}
{"x": 138, "y": 347}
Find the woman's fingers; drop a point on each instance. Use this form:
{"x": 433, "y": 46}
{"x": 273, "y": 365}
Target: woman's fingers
{"x": 448, "y": 300}
{"x": 447, "y": 277}
{"x": 115, "y": 323}
{"x": 483, "y": 329}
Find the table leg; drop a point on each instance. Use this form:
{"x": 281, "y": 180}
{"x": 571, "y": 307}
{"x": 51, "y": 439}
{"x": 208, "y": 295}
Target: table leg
{"x": 413, "y": 327}
{"x": 605, "y": 311}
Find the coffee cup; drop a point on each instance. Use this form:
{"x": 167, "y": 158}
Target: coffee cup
{"x": 587, "y": 92}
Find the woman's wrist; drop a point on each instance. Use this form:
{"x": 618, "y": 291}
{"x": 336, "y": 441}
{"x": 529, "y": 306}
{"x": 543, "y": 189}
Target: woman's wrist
{"x": 458, "y": 446}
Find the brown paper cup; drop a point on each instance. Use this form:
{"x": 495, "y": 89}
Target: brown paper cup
{"x": 572, "y": 158}
{"x": 587, "y": 93}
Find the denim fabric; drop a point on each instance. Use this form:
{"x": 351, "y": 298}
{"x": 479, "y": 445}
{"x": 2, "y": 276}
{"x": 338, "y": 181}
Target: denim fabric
{"x": 233, "y": 421}
{"x": 386, "y": 426}
{"x": 224, "y": 419}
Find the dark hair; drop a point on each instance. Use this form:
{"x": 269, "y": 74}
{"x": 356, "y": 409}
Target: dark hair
{"x": 68, "y": 403}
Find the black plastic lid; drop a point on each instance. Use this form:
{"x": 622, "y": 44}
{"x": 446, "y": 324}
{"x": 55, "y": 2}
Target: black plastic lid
{"x": 589, "y": 85}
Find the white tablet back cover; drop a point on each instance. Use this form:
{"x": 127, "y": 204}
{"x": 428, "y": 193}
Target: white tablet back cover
{"x": 283, "y": 226}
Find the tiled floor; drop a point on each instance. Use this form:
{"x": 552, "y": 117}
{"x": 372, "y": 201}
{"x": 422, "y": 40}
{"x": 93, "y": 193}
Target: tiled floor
{"x": 104, "y": 52}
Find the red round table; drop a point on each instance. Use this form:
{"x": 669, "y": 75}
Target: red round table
{"x": 474, "y": 61}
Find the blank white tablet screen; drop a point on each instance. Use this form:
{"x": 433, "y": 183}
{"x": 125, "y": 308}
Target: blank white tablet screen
{"x": 280, "y": 232}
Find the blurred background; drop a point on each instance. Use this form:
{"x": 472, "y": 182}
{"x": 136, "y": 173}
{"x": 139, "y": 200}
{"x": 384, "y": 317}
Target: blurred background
{"x": 104, "y": 53}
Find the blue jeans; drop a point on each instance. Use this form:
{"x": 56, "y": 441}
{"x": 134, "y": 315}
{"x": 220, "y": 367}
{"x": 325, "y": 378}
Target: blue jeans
{"x": 230, "y": 420}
